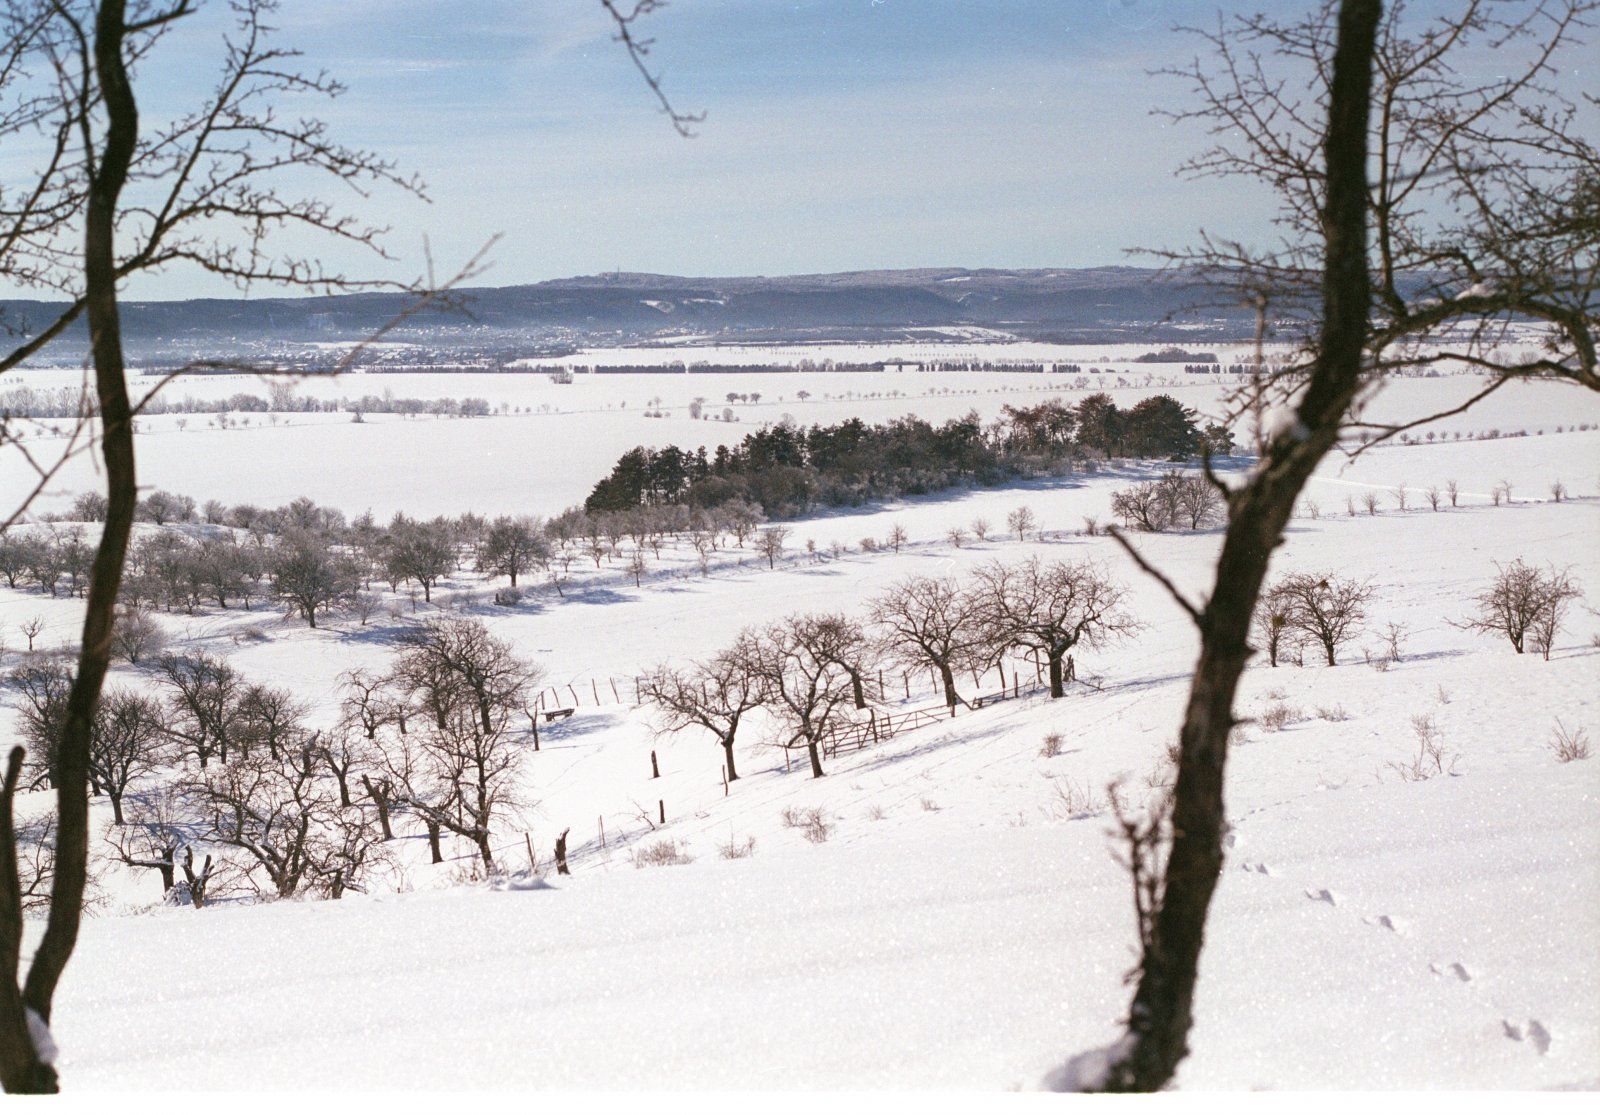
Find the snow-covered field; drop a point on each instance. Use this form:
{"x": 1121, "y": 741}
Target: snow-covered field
{"x": 557, "y": 439}
{"x": 963, "y": 924}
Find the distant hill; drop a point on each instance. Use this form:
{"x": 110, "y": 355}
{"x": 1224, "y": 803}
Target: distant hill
{"x": 1074, "y": 305}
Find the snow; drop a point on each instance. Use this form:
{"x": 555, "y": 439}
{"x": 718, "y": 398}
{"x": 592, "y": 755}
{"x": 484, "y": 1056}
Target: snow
{"x": 962, "y": 926}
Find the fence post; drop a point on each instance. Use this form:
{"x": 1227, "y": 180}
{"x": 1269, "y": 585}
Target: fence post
{"x": 533, "y": 860}
{"x": 594, "y": 685}
{"x": 662, "y": 805}
{"x": 602, "y": 830}
{"x": 655, "y": 767}
{"x": 724, "y": 779}
{"x": 614, "y": 695}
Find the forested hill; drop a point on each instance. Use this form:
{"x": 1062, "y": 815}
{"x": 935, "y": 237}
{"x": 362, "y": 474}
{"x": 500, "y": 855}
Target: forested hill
{"x": 1084, "y": 305}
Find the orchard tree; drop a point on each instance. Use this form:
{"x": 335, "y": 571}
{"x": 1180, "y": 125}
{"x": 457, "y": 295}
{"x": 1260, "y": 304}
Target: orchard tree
{"x": 1052, "y": 608}
{"x": 933, "y": 623}
{"x": 512, "y": 547}
{"x": 715, "y": 694}
{"x": 1326, "y": 609}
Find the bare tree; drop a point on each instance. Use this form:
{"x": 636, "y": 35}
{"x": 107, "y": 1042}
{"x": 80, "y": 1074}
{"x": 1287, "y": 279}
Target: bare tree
{"x": 770, "y": 542}
{"x": 1052, "y": 607}
{"x": 714, "y": 694}
{"x": 1020, "y": 522}
{"x": 136, "y": 635}
{"x": 1526, "y": 604}
{"x": 160, "y": 836}
{"x": 203, "y": 695}
{"x": 129, "y": 742}
{"x": 453, "y": 664}
{"x": 932, "y": 623}
{"x": 798, "y": 663}
{"x": 512, "y": 547}
{"x": 1272, "y": 623}
{"x": 311, "y": 575}
{"x": 1325, "y": 608}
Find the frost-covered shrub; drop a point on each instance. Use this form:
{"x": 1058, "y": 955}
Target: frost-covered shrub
{"x": 1051, "y": 746}
{"x": 507, "y": 597}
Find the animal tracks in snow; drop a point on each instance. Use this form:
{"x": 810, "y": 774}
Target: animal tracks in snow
{"x": 1532, "y": 1031}
{"x": 1527, "y": 1031}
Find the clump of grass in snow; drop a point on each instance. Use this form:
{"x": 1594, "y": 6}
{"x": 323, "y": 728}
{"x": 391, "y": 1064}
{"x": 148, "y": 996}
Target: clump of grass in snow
{"x": 1279, "y": 716}
{"x": 1569, "y": 745}
{"x": 737, "y": 849}
{"x": 662, "y": 853}
{"x": 812, "y": 823}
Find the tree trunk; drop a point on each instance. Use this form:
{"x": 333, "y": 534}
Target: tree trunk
{"x": 20, "y": 1067}
{"x": 382, "y": 802}
{"x": 1161, "y": 1013}
{"x": 433, "y": 842}
{"x": 948, "y": 676}
{"x": 1058, "y": 687}
{"x": 116, "y": 808}
{"x": 561, "y": 853}
{"x": 727, "y": 752}
{"x": 816, "y": 758}
{"x": 857, "y": 690}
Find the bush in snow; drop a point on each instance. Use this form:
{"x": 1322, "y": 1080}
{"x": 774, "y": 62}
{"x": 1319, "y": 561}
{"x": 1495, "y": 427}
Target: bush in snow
{"x": 1569, "y": 745}
{"x": 662, "y": 853}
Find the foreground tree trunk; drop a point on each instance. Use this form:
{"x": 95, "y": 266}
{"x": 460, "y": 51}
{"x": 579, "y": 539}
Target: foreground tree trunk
{"x": 727, "y": 753}
{"x": 20, "y": 1067}
{"x": 1162, "y": 1010}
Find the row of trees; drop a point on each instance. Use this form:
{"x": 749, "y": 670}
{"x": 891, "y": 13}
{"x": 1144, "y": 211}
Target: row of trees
{"x": 808, "y": 669}
{"x": 65, "y": 402}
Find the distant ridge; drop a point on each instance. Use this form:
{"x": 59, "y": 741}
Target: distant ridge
{"x": 1084, "y": 305}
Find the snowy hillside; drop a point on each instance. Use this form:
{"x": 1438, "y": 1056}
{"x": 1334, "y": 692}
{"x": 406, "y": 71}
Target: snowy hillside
{"x": 943, "y": 908}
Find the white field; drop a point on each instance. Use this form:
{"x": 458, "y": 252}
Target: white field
{"x": 559, "y": 439}
{"x": 961, "y": 927}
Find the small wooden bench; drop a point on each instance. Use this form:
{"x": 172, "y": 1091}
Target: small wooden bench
{"x": 551, "y": 714}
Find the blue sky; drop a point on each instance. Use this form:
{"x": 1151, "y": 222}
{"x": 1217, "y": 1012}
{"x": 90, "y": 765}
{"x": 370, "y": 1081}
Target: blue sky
{"x": 840, "y": 134}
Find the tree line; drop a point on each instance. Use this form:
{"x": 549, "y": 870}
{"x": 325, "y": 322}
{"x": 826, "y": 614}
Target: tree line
{"x": 785, "y": 469}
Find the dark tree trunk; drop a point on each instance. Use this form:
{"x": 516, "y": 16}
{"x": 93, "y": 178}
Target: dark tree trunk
{"x": 1058, "y": 687}
{"x": 727, "y": 753}
{"x": 20, "y": 1068}
{"x": 561, "y": 853}
{"x": 816, "y": 758}
{"x": 948, "y": 676}
{"x": 116, "y": 808}
{"x": 1161, "y": 1013}
{"x": 433, "y": 842}
{"x": 382, "y": 802}
{"x": 857, "y": 690}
